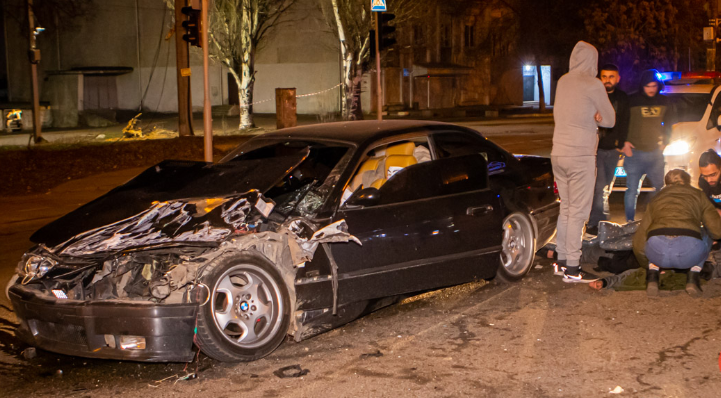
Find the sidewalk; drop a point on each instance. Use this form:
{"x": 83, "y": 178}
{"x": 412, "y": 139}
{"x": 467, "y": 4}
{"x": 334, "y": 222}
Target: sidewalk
{"x": 167, "y": 125}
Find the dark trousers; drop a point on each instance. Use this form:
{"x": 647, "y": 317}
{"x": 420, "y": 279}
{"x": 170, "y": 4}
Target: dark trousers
{"x": 650, "y": 164}
{"x": 606, "y": 161}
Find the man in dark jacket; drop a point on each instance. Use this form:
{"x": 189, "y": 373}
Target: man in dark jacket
{"x": 610, "y": 142}
{"x": 671, "y": 233}
{"x": 709, "y": 165}
{"x": 649, "y": 130}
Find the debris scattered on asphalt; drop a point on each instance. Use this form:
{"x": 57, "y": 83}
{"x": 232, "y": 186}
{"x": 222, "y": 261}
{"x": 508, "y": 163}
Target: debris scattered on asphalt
{"x": 59, "y": 373}
{"x": 376, "y": 354}
{"x": 162, "y": 380}
{"x": 538, "y": 266}
{"x": 30, "y": 353}
{"x": 291, "y": 371}
{"x": 616, "y": 390}
{"x": 189, "y": 376}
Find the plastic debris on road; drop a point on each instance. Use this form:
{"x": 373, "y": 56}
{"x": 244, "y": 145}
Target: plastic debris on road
{"x": 376, "y": 354}
{"x": 291, "y": 371}
{"x": 616, "y": 390}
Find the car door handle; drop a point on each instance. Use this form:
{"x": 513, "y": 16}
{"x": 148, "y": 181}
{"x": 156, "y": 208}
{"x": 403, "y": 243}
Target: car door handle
{"x": 479, "y": 210}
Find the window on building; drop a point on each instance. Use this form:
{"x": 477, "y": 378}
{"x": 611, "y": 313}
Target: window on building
{"x": 418, "y": 34}
{"x": 445, "y": 36}
{"x": 469, "y": 36}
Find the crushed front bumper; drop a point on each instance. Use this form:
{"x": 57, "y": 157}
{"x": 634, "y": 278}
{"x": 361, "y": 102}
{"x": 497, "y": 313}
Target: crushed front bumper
{"x": 93, "y": 329}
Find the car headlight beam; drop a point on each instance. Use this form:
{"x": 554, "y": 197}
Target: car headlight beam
{"x": 676, "y": 148}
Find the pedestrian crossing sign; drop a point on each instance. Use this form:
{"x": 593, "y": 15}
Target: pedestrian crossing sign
{"x": 378, "y": 5}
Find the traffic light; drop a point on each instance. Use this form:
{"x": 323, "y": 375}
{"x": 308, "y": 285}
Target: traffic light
{"x": 387, "y": 33}
{"x": 192, "y": 26}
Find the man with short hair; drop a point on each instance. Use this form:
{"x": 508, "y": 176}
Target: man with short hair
{"x": 581, "y": 106}
{"x": 610, "y": 142}
{"x": 649, "y": 130}
{"x": 709, "y": 165}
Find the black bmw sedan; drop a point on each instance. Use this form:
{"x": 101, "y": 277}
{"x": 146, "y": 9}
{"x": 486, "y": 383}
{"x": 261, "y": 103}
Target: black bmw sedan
{"x": 293, "y": 233}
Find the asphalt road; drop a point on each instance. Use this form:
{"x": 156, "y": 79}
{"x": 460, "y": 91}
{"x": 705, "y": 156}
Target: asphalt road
{"x": 537, "y": 338}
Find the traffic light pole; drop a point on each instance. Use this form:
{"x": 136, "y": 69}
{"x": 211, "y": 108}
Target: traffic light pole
{"x": 379, "y": 88}
{"x": 33, "y": 52}
{"x": 185, "y": 106}
{"x": 207, "y": 116}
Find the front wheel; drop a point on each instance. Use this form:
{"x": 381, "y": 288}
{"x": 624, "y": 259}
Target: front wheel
{"x": 518, "y": 248}
{"x": 248, "y": 312}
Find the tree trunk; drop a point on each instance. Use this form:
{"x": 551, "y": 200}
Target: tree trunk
{"x": 356, "y": 109}
{"x": 541, "y": 95}
{"x": 347, "y": 84}
{"x": 245, "y": 90}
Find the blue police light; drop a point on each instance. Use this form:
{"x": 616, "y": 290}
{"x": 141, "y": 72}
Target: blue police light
{"x": 663, "y": 76}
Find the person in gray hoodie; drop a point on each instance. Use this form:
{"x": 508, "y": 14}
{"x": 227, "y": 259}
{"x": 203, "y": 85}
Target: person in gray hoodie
{"x": 581, "y": 106}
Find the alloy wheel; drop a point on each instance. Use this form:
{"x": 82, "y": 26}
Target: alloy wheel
{"x": 247, "y": 306}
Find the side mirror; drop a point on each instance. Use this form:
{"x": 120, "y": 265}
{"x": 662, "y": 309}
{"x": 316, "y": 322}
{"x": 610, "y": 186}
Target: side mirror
{"x": 364, "y": 197}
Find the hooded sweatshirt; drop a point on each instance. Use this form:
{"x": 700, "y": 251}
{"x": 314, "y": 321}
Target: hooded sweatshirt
{"x": 650, "y": 117}
{"x": 579, "y": 95}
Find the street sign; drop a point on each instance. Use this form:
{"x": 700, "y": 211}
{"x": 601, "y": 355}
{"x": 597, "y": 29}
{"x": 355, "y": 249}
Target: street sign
{"x": 378, "y": 5}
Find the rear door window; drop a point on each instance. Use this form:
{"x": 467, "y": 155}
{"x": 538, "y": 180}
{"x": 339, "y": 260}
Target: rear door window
{"x": 453, "y": 144}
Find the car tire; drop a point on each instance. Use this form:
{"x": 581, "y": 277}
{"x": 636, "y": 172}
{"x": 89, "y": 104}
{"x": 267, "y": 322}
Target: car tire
{"x": 518, "y": 248}
{"x": 248, "y": 312}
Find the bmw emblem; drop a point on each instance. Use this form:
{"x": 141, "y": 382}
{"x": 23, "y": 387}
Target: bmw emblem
{"x": 244, "y": 306}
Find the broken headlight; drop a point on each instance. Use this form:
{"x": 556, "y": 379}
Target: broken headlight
{"x": 36, "y": 267}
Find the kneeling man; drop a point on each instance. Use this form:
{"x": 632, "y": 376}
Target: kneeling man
{"x": 671, "y": 233}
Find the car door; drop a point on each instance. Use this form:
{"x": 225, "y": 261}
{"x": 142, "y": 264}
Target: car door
{"x": 420, "y": 235}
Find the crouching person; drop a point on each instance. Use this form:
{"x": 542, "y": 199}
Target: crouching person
{"x": 676, "y": 232}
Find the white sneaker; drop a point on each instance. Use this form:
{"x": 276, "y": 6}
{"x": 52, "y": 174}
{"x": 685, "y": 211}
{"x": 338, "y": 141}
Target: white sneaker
{"x": 582, "y": 277}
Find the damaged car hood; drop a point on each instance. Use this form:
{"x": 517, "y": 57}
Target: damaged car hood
{"x": 169, "y": 181}
{"x": 174, "y": 221}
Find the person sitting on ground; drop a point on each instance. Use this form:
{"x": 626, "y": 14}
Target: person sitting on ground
{"x": 671, "y": 234}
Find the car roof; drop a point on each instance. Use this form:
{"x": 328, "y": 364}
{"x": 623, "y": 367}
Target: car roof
{"x": 356, "y": 132}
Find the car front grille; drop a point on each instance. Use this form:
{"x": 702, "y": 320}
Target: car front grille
{"x": 63, "y": 333}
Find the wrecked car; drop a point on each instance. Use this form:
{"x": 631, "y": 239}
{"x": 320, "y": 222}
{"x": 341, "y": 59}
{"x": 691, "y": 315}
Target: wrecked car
{"x": 294, "y": 233}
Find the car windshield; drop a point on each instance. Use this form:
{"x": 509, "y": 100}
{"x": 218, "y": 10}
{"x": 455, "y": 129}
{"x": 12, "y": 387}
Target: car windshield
{"x": 690, "y": 107}
{"x": 304, "y": 179}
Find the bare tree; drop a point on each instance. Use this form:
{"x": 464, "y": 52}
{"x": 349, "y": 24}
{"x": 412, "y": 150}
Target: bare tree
{"x": 351, "y": 21}
{"x": 237, "y": 28}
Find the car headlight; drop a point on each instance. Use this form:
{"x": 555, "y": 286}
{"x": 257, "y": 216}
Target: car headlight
{"x": 36, "y": 267}
{"x": 676, "y": 148}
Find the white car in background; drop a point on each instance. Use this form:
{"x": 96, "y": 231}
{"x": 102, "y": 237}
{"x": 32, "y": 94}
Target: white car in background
{"x": 698, "y": 107}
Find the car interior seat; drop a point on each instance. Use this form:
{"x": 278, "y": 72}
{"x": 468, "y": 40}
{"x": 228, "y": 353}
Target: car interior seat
{"x": 369, "y": 171}
{"x": 392, "y": 165}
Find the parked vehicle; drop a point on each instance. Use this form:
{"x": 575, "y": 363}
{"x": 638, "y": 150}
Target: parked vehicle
{"x": 293, "y": 233}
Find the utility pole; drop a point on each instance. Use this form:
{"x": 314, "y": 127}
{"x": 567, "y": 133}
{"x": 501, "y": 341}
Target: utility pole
{"x": 185, "y": 104}
{"x": 711, "y": 50}
{"x": 379, "y": 88}
{"x": 207, "y": 116}
{"x": 34, "y": 55}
